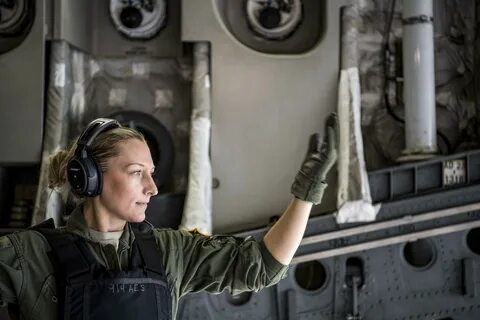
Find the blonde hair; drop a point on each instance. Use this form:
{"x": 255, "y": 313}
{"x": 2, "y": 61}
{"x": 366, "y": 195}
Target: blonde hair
{"x": 104, "y": 147}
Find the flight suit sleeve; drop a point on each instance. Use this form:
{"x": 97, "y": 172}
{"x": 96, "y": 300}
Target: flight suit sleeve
{"x": 216, "y": 263}
{"x": 11, "y": 276}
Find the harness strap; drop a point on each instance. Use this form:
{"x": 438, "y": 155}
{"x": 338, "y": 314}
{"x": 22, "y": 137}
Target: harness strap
{"x": 73, "y": 260}
{"x": 152, "y": 256}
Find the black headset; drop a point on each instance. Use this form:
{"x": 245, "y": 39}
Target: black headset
{"x": 83, "y": 172}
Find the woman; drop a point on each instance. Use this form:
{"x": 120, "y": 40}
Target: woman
{"x": 106, "y": 263}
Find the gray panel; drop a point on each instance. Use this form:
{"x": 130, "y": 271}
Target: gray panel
{"x": 108, "y": 42}
{"x": 22, "y": 96}
{"x": 396, "y": 283}
{"x": 264, "y": 108}
{"x": 73, "y": 22}
{"x": 87, "y": 25}
{"x": 244, "y": 306}
{"x": 391, "y": 289}
{"x": 416, "y": 178}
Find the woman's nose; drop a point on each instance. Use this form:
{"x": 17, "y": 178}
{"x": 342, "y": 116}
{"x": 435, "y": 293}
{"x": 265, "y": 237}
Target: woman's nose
{"x": 151, "y": 187}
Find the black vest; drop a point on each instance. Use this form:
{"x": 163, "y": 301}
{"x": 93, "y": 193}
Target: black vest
{"x": 86, "y": 290}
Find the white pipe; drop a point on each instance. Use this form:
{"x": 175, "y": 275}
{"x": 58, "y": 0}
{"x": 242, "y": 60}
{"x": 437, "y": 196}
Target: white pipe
{"x": 197, "y": 212}
{"x": 419, "y": 77}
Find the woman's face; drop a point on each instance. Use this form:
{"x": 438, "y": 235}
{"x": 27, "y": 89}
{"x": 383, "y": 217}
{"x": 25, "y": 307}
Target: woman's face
{"x": 128, "y": 183}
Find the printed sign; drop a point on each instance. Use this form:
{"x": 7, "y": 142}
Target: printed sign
{"x": 454, "y": 172}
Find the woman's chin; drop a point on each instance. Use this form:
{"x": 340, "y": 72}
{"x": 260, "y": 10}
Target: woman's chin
{"x": 137, "y": 218}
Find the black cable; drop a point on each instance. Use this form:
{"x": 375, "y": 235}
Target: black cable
{"x": 386, "y": 57}
{"x": 389, "y": 24}
{"x": 446, "y": 141}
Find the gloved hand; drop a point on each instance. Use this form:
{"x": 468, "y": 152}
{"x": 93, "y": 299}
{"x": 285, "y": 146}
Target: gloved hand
{"x": 309, "y": 183}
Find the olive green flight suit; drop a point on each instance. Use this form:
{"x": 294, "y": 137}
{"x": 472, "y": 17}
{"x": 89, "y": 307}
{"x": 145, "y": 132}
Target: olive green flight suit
{"x": 192, "y": 262}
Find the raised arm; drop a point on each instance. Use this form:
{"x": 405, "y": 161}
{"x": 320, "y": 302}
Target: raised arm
{"x": 283, "y": 239}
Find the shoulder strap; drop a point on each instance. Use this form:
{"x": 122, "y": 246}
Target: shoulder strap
{"x": 71, "y": 258}
{"x": 46, "y": 224}
{"x": 150, "y": 252}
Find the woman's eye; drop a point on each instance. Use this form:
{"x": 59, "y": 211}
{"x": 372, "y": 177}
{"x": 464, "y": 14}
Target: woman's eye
{"x": 138, "y": 172}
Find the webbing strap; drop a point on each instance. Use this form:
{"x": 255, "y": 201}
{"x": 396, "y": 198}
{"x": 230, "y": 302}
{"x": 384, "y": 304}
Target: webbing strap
{"x": 152, "y": 256}
{"x": 72, "y": 261}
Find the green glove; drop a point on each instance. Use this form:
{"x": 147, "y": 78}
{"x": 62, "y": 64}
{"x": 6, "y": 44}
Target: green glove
{"x": 309, "y": 183}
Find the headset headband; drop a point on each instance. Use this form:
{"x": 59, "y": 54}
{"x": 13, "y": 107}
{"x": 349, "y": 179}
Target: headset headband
{"x": 93, "y": 129}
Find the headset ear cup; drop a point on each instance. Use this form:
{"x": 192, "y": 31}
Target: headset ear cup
{"x": 98, "y": 180}
{"x": 84, "y": 177}
{"x": 76, "y": 176}
{"x": 93, "y": 187}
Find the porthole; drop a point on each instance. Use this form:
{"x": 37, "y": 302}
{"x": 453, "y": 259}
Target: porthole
{"x": 311, "y": 275}
{"x": 473, "y": 240}
{"x": 419, "y": 254}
